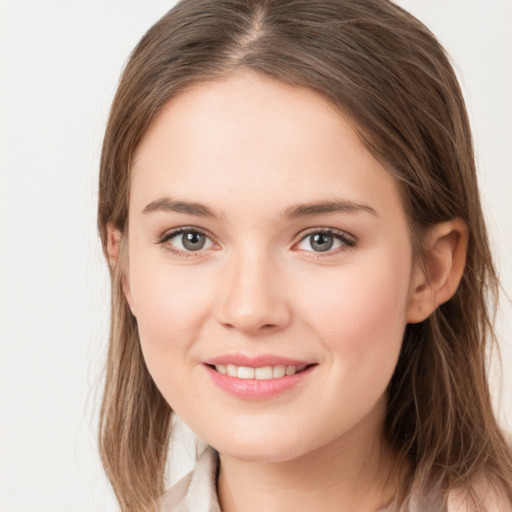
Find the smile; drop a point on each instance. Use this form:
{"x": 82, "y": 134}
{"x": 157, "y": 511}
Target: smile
{"x": 259, "y": 373}
{"x": 257, "y": 378}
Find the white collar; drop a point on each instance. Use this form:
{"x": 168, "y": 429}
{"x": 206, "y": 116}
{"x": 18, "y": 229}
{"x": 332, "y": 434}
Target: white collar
{"x": 197, "y": 491}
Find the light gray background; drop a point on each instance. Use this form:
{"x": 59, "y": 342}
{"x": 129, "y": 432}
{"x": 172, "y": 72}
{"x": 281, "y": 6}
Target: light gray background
{"x": 59, "y": 65}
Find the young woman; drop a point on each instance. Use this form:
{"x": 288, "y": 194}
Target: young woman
{"x": 300, "y": 266}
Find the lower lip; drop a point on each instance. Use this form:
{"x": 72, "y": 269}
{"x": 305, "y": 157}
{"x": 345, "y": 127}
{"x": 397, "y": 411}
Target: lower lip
{"x": 253, "y": 389}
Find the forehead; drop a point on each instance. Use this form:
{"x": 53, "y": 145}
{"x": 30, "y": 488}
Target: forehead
{"x": 251, "y": 136}
{"x": 243, "y": 108}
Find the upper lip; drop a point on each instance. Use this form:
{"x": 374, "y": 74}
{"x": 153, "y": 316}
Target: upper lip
{"x": 256, "y": 361}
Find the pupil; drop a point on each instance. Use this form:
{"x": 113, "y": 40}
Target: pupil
{"x": 193, "y": 241}
{"x": 321, "y": 242}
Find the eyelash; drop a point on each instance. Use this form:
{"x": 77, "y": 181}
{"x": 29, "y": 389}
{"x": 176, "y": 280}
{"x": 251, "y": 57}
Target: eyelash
{"x": 180, "y": 231}
{"x": 347, "y": 241}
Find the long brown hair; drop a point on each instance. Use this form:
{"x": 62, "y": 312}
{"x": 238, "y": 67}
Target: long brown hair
{"x": 389, "y": 74}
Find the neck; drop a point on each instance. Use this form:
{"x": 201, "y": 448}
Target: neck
{"x": 351, "y": 473}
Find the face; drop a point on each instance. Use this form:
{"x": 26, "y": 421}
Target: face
{"x": 269, "y": 268}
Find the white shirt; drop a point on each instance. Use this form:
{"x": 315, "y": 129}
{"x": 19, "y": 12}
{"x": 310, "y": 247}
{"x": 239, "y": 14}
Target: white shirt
{"x": 197, "y": 491}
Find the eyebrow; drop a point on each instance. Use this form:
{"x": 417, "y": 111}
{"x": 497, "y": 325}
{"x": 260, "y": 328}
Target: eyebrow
{"x": 168, "y": 205}
{"x": 326, "y": 207}
{"x": 292, "y": 212}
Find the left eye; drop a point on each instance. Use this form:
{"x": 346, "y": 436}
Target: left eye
{"x": 321, "y": 241}
{"x": 188, "y": 240}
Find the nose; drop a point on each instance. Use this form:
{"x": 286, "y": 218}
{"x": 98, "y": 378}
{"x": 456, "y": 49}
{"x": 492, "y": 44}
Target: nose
{"x": 253, "y": 298}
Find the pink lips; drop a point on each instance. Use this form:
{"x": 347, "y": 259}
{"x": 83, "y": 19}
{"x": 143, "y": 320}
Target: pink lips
{"x": 255, "y": 361}
{"x": 254, "y": 389}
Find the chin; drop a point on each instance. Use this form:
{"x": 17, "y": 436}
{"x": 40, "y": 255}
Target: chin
{"x": 262, "y": 452}
{"x": 258, "y": 445}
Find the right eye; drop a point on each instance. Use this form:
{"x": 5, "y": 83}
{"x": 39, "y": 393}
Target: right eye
{"x": 186, "y": 240}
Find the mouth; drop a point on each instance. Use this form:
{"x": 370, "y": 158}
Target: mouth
{"x": 258, "y": 378}
{"x": 260, "y": 372}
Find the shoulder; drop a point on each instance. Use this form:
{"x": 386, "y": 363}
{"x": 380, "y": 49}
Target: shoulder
{"x": 484, "y": 491}
{"x": 494, "y": 498}
{"x": 490, "y": 496}
{"x": 197, "y": 491}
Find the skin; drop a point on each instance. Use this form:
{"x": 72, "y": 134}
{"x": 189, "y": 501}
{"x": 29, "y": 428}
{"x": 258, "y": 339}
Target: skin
{"x": 249, "y": 148}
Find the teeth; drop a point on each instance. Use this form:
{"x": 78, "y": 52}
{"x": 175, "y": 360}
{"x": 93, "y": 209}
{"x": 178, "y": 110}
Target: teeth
{"x": 244, "y": 372}
{"x": 278, "y": 371}
{"x": 262, "y": 373}
{"x": 290, "y": 370}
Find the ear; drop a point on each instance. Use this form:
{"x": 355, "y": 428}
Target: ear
{"x": 114, "y": 249}
{"x": 114, "y": 237}
{"x": 444, "y": 247}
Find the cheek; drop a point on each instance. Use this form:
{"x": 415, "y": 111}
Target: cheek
{"x": 169, "y": 304}
{"x": 170, "y": 310}
{"x": 361, "y": 315}
{"x": 360, "y": 319}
